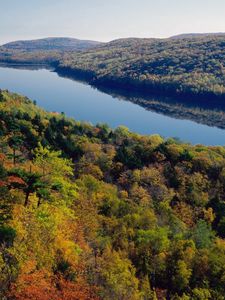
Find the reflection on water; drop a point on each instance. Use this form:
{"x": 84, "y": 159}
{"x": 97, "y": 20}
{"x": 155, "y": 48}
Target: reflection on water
{"x": 211, "y": 113}
{"x": 26, "y": 66}
{"x": 169, "y": 117}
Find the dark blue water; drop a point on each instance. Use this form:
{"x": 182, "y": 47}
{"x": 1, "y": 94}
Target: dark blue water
{"x": 84, "y": 103}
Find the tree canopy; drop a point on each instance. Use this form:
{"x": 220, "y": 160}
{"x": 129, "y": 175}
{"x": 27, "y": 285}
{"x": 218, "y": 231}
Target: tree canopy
{"x": 87, "y": 212}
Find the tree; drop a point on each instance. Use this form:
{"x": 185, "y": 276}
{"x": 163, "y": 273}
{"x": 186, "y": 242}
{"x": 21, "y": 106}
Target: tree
{"x": 151, "y": 246}
{"x": 117, "y": 276}
{"x": 31, "y": 182}
{"x": 203, "y": 235}
{"x": 56, "y": 173}
{"x": 15, "y": 142}
{"x": 1, "y": 96}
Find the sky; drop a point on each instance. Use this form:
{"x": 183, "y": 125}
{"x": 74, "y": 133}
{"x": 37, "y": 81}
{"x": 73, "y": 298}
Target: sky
{"x": 105, "y": 20}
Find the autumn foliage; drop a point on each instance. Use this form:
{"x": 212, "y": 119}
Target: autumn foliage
{"x": 91, "y": 213}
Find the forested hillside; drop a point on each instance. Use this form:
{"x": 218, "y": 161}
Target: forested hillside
{"x": 42, "y": 51}
{"x": 185, "y": 65}
{"x": 190, "y": 66}
{"x": 197, "y": 35}
{"x": 87, "y": 212}
{"x": 62, "y": 44}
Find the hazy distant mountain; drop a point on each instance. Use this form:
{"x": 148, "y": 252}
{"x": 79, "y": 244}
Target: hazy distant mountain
{"x": 51, "y": 44}
{"x": 196, "y": 35}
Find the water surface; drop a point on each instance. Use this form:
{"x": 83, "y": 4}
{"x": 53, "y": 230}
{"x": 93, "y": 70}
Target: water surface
{"x": 85, "y": 103}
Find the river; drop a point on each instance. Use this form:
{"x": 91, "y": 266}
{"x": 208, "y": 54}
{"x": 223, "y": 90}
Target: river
{"x": 85, "y": 103}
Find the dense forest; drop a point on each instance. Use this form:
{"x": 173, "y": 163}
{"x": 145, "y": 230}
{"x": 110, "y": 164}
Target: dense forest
{"x": 87, "y": 212}
{"x": 197, "y": 35}
{"x": 62, "y": 44}
{"x": 186, "y": 65}
{"x": 189, "y": 66}
{"x": 46, "y": 51}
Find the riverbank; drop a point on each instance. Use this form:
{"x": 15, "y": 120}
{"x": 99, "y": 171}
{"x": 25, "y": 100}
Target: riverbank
{"x": 210, "y": 113}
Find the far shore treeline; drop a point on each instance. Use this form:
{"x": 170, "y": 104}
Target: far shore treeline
{"x": 185, "y": 65}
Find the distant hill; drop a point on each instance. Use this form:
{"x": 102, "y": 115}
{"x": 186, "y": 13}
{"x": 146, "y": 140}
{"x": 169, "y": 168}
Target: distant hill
{"x": 184, "y": 65}
{"x": 51, "y": 44}
{"x": 197, "y": 35}
{"x": 190, "y": 67}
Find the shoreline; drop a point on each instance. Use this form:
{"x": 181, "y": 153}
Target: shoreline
{"x": 210, "y": 113}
